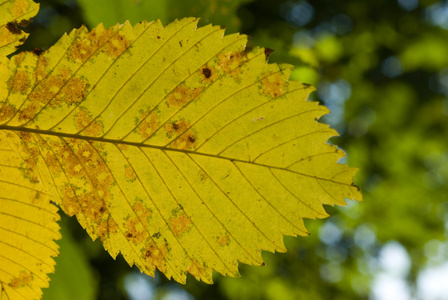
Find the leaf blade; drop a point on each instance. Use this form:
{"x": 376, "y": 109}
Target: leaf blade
{"x": 187, "y": 155}
{"x": 27, "y": 224}
{"x": 13, "y": 13}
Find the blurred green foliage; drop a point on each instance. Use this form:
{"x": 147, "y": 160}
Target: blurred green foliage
{"x": 111, "y": 12}
{"x": 382, "y": 69}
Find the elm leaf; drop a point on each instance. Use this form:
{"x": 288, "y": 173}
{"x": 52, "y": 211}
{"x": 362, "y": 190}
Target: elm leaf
{"x": 175, "y": 146}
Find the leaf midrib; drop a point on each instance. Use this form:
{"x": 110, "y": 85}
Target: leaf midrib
{"x": 162, "y": 148}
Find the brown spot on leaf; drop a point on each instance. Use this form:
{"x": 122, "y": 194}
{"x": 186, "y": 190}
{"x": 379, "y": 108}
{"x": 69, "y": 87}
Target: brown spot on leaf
{"x": 223, "y": 240}
{"x": 207, "y": 72}
{"x": 90, "y": 205}
{"x": 129, "y": 173}
{"x": 107, "y": 41}
{"x": 30, "y": 156}
{"x": 72, "y": 92}
{"x": 182, "y": 95}
{"x": 53, "y": 164}
{"x": 29, "y": 112}
{"x": 113, "y": 227}
{"x": 273, "y": 86}
{"x": 148, "y": 126}
{"x": 25, "y": 23}
{"x": 142, "y": 212}
{"x": 82, "y": 121}
{"x": 80, "y": 160}
{"x": 80, "y": 51}
{"x": 25, "y": 278}
{"x": 69, "y": 201}
{"x": 230, "y": 62}
{"x": 7, "y": 111}
{"x": 20, "y": 82}
{"x": 46, "y": 89}
{"x": 65, "y": 73}
{"x": 123, "y": 147}
{"x": 185, "y": 142}
{"x": 155, "y": 256}
{"x": 180, "y": 224}
{"x": 12, "y": 27}
{"x": 105, "y": 228}
{"x": 18, "y": 58}
{"x": 196, "y": 269}
{"x": 37, "y": 51}
{"x": 133, "y": 235}
{"x": 267, "y": 52}
{"x": 116, "y": 45}
{"x": 191, "y": 139}
{"x": 176, "y": 127}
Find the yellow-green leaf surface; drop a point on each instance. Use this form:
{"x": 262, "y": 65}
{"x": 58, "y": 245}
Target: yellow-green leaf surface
{"x": 28, "y": 225}
{"x": 13, "y": 14}
{"x": 174, "y": 145}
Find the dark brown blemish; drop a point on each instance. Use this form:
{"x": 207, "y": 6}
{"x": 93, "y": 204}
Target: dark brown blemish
{"x": 156, "y": 235}
{"x": 129, "y": 235}
{"x": 178, "y": 127}
{"x": 155, "y": 256}
{"x": 191, "y": 139}
{"x": 306, "y": 85}
{"x": 268, "y": 52}
{"x": 207, "y": 72}
{"x": 158, "y": 37}
{"x": 185, "y": 141}
{"x": 25, "y": 23}
{"x": 12, "y": 27}
{"x": 37, "y": 51}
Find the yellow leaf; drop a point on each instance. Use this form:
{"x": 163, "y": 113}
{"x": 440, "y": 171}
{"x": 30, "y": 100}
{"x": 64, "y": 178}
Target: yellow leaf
{"x": 28, "y": 225}
{"x": 14, "y": 13}
{"x": 174, "y": 145}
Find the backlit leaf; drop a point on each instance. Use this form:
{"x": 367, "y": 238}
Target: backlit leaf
{"x": 174, "y": 145}
{"x": 28, "y": 225}
{"x": 13, "y": 14}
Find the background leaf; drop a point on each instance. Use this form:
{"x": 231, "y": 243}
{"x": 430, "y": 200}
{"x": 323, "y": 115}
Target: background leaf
{"x": 28, "y": 225}
{"x": 13, "y": 14}
{"x": 73, "y": 277}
